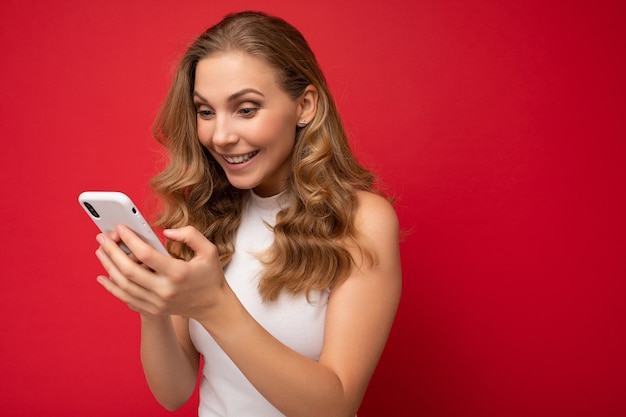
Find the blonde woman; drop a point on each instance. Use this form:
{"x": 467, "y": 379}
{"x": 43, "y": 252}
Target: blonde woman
{"x": 285, "y": 272}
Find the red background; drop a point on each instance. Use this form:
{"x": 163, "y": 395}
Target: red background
{"x": 499, "y": 125}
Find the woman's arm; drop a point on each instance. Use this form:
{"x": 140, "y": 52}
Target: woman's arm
{"x": 169, "y": 359}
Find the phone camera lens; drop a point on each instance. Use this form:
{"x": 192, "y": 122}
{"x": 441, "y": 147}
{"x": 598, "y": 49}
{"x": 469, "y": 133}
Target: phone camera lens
{"x": 92, "y": 210}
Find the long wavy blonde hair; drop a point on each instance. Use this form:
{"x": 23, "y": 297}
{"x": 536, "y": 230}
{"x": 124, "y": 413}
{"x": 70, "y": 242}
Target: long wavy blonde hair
{"x": 309, "y": 251}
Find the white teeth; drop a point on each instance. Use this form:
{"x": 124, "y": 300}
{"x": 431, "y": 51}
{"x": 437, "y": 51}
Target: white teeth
{"x": 240, "y": 159}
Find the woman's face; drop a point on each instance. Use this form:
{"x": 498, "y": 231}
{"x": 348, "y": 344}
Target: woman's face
{"x": 246, "y": 120}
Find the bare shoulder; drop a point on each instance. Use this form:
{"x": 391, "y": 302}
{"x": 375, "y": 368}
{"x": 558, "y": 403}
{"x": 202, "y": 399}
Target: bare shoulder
{"x": 376, "y": 223}
{"x": 375, "y": 217}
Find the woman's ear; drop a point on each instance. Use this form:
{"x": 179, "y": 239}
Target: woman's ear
{"x": 308, "y": 105}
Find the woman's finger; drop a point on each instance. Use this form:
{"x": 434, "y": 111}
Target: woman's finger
{"x": 129, "y": 266}
{"x": 134, "y": 304}
{"x": 142, "y": 251}
{"x": 196, "y": 241}
{"x": 119, "y": 279}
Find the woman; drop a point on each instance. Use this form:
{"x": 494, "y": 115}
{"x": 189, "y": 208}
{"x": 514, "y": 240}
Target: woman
{"x": 285, "y": 271}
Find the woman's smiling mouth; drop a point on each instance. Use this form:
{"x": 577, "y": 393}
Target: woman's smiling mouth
{"x": 240, "y": 159}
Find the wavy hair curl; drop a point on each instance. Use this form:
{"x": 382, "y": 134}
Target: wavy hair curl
{"x": 308, "y": 252}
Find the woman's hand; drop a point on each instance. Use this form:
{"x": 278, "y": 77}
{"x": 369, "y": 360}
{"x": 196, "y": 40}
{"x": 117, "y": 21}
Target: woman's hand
{"x": 152, "y": 283}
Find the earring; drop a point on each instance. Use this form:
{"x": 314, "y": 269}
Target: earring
{"x": 302, "y": 123}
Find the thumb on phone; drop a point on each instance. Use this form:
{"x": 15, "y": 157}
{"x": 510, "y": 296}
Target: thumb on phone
{"x": 191, "y": 237}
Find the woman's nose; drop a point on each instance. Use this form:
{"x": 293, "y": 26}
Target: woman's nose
{"x": 223, "y": 134}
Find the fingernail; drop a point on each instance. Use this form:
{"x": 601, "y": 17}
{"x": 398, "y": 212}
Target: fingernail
{"x": 100, "y": 239}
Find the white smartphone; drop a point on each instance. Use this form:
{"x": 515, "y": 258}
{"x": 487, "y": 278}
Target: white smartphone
{"x": 107, "y": 209}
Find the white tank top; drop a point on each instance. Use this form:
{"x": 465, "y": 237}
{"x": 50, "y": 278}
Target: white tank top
{"x": 224, "y": 390}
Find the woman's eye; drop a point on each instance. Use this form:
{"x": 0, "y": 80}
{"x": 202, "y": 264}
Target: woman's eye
{"x": 205, "y": 114}
{"x": 248, "y": 111}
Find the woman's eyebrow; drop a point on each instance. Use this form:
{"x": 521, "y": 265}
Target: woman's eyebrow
{"x": 233, "y": 96}
{"x": 196, "y": 94}
{"x": 243, "y": 92}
